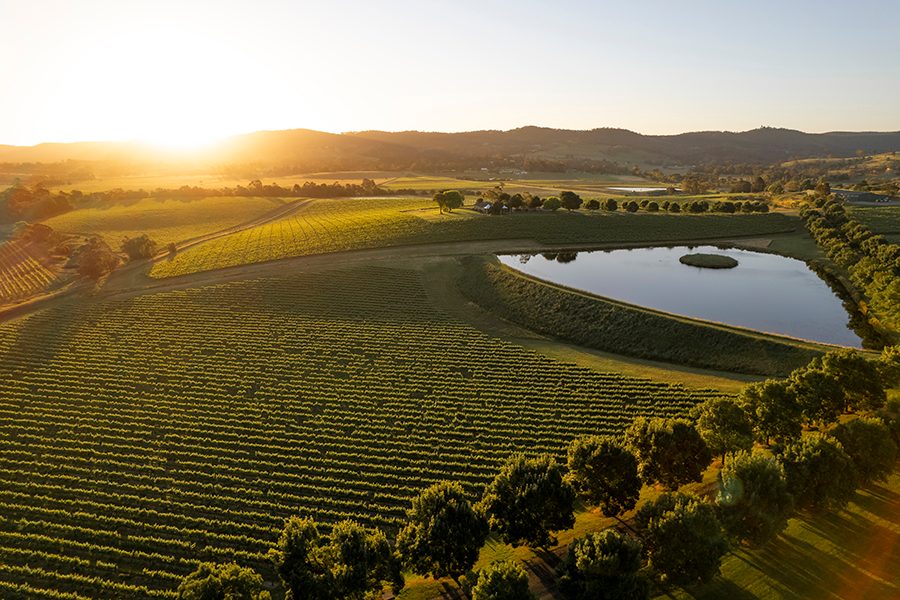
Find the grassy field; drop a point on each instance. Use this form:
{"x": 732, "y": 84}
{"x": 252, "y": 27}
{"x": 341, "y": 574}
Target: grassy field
{"x": 143, "y": 435}
{"x": 163, "y": 220}
{"x": 852, "y": 554}
{"x": 625, "y": 329}
{"x": 335, "y": 225}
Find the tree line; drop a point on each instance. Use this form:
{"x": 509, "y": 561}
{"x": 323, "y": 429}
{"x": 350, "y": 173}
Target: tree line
{"x": 502, "y": 202}
{"x": 680, "y": 538}
{"x": 872, "y": 262}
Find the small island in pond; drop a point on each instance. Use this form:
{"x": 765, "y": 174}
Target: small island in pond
{"x": 709, "y": 261}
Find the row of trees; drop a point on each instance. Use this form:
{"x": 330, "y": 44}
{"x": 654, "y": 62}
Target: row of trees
{"x": 680, "y": 537}
{"x": 501, "y": 201}
{"x": 872, "y": 262}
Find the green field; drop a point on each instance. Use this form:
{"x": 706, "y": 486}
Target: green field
{"x": 852, "y": 554}
{"x": 143, "y": 435}
{"x": 163, "y": 220}
{"x": 880, "y": 219}
{"x": 360, "y": 223}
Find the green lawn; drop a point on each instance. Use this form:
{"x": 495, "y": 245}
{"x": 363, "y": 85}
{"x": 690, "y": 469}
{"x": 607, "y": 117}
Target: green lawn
{"x": 851, "y": 554}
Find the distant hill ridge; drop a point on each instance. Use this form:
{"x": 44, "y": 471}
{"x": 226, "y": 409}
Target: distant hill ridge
{"x": 405, "y": 149}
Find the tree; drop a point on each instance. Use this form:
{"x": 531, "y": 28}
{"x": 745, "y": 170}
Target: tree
{"x": 552, "y": 203}
{"x": 449, "y": 200}
{"x": 868, "y": 443}
{"x": 773, "y": 410}
{"x": 351, "y": 562}
{"x": 724, "y": 426}
{"x": 819, "y": 473}
{"x": 222, "y": 582}
{"x": 443, "y": 532}
{"x": 889, "y": 366}
{"x": 859, "y": 378}
{"x": 140, "y": 247}
{"x": 819, "y": 394}
{"x": 95, "y": 258}
{"x": 610, "y": 205}
{"x": 683, "y": 537}
{"x": 528, "y": 500}
{"x": 570, "y": 200}
{"x": 753, "y": 500}
{"x": 295, "y": 558}
{"x": 604, "y": 473}
{"x": 603, "y": 566}
{"x": 505, "y": 580}
{"x": 668, "y": 451}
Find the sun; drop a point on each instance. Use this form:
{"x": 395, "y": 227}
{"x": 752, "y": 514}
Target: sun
{"x": 182, "y": 138}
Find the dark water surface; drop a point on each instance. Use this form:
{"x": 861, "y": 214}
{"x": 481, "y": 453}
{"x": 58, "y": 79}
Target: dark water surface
{"x": 766, "y": 292}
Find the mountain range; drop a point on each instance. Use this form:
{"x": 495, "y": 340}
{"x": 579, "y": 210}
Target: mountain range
{"x": 311, "y": 150}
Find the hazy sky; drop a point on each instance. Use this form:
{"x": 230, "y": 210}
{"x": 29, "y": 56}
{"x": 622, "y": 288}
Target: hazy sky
{"x": 186, "y": 70}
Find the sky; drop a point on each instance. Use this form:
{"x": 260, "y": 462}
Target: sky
{"x": 188, "y": 71}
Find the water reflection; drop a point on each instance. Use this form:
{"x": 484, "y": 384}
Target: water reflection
{"x": 765, "y": 292}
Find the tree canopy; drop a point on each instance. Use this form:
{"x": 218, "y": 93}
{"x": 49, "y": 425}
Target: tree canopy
{"x": 819, "y": 473}
{"x": 684, "y": 538}
{"x": 724, "y": 426}
{"x": 570, "y": 200}
{"x": 868, "y": 443}
{"x": 443, "y": 532}
{"x": 528, "y": 500}
{"x": 754, "y": 501}
{"x": 352, "y": 562}
{"x": 505, "y": 580}
{"x": 222, "y": 582}
{"x": 603, "y": 566}
{"x": 668, "y": 451}
{"x": 773, "y": 410}
{"x": 449, "y": 199}
{"x": 604, "y": 473}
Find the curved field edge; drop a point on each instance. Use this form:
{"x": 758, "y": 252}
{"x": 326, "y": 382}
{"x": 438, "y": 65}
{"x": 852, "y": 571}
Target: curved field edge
{"x": 336, "y": 225}
{"x": 621, "y": 328}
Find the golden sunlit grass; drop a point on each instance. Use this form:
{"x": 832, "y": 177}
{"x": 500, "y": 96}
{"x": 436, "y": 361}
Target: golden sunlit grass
{"x": 163, "y": 220}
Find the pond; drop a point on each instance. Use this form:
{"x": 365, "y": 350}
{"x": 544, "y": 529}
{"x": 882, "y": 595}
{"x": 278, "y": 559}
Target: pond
{"x": 765, "y": 292}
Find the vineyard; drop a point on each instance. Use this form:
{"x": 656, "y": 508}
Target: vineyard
{"x": 144, "y": 435}
{"x": 336, "y": 225}
{"x": 884, "y": 220}
{"x": 21, "y": 273}
{"x": 163, "y": 220}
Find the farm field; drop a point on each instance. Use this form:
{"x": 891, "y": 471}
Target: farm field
{"x": 145, "y": 434}
{"x": 22, "y": 274}
{"x": 880, "y": 219}
{"x": 359, "y": 223}
{"x": 164, "y": 220}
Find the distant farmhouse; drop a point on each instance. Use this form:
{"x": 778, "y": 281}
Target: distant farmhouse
{"x": 851, "y": 196}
